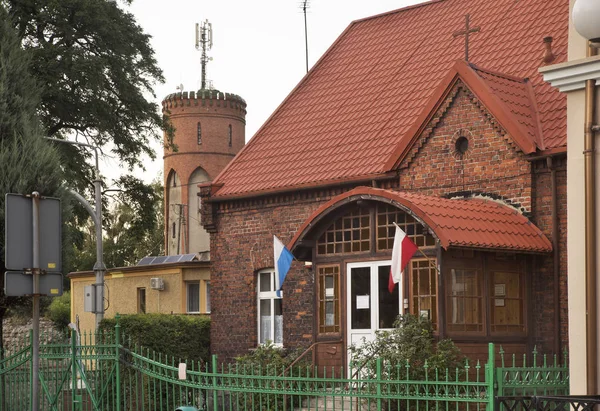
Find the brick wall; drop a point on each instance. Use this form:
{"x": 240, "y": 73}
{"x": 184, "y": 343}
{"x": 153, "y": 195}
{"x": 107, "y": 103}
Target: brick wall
{"x": 491, "y": 165}
{"x": 543, "y": 281}
{"x": 215, "y": 111}
{"x": 243, "y": 246}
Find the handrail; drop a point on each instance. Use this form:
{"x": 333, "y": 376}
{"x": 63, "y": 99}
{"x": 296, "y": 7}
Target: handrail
{"x": 313, "y": 345}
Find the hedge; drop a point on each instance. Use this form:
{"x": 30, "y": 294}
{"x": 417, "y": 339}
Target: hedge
{"x": 180, "y": 336}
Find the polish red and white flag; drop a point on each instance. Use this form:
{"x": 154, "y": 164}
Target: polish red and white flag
{"x": 402, "y": 252}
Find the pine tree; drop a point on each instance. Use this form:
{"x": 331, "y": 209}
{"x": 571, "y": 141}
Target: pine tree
{"x": 27, "y": 162}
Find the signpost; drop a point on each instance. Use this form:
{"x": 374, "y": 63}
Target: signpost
{"x": 33, "y": 251}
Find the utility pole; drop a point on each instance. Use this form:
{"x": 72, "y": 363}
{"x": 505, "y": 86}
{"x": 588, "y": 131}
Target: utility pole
{"x": 96, "y": 214}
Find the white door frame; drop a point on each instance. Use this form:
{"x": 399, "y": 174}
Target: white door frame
{"x": 373, "y": 301}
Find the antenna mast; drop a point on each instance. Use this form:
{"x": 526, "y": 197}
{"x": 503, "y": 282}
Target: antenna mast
{"x": 204, "y": 39}
{"x": 305, "y": 5}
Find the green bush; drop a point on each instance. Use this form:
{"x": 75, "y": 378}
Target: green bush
{"x": 178, "y": 336}
{"x": 59, "y": 311}
{"x": 269, "y": 360}
{"x": 411, "y": 343}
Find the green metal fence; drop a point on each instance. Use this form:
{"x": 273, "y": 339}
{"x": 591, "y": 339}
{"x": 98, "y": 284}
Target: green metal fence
{"x": 101, "y": 372}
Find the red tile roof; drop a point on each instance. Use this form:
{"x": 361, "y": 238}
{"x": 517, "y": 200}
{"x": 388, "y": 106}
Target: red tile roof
{"x": 473, "y": 222}
{"x": 358, "y": 103}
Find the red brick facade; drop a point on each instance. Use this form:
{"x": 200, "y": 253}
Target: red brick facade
{"x": 493, "y": 166}
{"x": 221, "y": 118}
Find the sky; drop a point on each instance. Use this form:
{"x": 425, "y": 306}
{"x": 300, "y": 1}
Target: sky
{"x": 258, "y": 48}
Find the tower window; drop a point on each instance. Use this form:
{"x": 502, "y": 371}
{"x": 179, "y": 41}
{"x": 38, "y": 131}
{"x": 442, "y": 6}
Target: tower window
{"x": 230, "y": 136}
{"x": 199, "y": 134}
{"x": 173, "y": 230}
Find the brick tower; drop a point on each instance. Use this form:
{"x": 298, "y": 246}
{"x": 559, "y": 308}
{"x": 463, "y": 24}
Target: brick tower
{"x": 209, "y": 131}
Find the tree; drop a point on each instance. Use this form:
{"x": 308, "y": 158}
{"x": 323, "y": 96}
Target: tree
{"x": 132, "y": 232}
{"x": 27, "y": 162}
{"x": 96, "y": 71}
{"x": 96, "y": 68}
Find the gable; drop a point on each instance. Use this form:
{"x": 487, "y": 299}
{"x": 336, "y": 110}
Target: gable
{"x": 492, "y": 162}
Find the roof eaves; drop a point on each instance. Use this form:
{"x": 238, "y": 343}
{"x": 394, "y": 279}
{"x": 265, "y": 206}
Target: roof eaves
{"x": 539, "y": 133}
{"x": 312, "y": 185}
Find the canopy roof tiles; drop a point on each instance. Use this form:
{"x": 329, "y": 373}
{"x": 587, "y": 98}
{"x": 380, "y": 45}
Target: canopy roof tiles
{"x": 480, "y": 223}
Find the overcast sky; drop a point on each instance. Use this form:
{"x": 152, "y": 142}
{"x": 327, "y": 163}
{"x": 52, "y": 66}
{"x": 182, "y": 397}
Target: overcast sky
{"x": 258, "y": 47}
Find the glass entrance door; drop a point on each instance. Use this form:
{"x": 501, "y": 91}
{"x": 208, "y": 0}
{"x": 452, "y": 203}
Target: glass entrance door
{"x": 370, "y": 305}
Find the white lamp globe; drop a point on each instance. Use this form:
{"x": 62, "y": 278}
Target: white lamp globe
{"x": 586, "y": 18}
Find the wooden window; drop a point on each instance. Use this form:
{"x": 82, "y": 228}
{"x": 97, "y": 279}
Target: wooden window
{"x": 329, "y": 299}
{"x": 199, "y": 133}
{"x": 141, "y": 301}
{"x": 507, "y": 305}
{"x": 423, "y": 289}
{"x": 464, "y": 301}
{"x": 350, "y": 233}
{"x": 387, "y": 215}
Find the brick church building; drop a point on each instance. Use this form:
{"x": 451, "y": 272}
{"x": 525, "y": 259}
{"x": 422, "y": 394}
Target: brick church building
{"x": 413, "y": 117}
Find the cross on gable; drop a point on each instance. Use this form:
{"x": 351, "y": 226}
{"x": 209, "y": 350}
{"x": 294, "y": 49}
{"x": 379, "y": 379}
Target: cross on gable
{"x": 468, "y": 30}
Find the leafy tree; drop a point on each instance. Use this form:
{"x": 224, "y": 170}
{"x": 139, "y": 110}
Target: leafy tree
{"x": 96, "y": 71}
{"x": 96, "y": 68}
{"x": 27, "y": 162}
{"x": 134, "y": 229}
{"x": 59, "y": 311}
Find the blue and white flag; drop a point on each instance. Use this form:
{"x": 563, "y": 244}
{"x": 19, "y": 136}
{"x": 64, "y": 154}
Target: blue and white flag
{"x": 283, "y": 261}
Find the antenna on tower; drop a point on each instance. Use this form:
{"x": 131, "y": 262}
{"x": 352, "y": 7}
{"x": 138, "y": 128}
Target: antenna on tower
{"x": 204, "y": 41}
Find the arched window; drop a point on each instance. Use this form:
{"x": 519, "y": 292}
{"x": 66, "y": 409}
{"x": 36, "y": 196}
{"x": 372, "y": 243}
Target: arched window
{"x": 199, "y": 133}
{"x": 230, "y": 136}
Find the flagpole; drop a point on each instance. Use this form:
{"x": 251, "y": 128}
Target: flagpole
{"x": 429, "y": 260}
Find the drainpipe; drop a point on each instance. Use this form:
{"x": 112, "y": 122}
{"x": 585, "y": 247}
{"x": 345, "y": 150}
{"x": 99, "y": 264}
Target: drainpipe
{"x": 590, "y": 234}
{"x": 556, "y": 256}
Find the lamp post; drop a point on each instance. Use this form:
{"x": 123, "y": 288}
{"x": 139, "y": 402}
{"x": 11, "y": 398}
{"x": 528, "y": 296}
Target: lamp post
{"x": 96, "y": 214}
{"x": 586, "y": 19}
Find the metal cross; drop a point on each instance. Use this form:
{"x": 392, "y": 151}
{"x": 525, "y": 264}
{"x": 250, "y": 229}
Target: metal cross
{"x": 468, "y": 30}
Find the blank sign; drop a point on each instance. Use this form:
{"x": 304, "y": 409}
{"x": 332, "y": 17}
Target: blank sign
{"x": 19, "y": 233}
{"x": 17, "y": 284}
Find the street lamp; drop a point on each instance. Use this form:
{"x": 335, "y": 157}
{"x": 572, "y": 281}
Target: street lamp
{"x": 99, "y": 267}
{"x": 586, "y": 19}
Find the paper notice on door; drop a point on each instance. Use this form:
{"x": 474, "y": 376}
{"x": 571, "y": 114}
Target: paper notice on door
{"x": 362, "y": 302}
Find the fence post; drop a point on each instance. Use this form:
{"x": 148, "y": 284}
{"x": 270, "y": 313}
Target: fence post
{"x": 31, "y": 367}
{"x": 379, "y": 379}
{"x": 214, "y": 378}
{"x": 74, "y": 399}
{"x": 490, "y": 377}
{"x": 118, "y": 362}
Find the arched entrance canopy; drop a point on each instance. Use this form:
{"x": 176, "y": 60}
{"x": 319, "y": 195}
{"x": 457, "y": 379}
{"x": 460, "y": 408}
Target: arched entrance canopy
{"x": 474, "y": 222}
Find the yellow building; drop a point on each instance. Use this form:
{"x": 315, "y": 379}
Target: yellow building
{"x": 152, "y": 286}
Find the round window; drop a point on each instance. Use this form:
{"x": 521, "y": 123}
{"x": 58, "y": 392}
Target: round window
{"x": 461, "y": 145}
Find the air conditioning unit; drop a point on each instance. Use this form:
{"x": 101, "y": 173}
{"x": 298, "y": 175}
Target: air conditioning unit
{"x": 157, "y": 284}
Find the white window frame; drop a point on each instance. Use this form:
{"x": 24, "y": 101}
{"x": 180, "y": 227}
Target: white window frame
{"x": 207, "y": 296}
{"x": 187, "y": 296}
{"x": 272, "y": 297}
